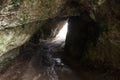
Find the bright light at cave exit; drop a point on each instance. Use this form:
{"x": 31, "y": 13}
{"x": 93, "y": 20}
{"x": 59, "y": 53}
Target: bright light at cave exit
{"x": 62, "y": 33}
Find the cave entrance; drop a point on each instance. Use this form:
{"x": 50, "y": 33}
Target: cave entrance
{"x": 43, "y": 56}
{"x": 62, "y": 33}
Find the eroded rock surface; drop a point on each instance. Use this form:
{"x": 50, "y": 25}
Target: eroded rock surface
{"x": 97, "y": 46}
{"x": 20, "y": 19}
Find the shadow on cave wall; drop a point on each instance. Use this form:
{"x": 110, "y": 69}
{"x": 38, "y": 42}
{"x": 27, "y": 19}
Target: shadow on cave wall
{"x": 83, "y": 33}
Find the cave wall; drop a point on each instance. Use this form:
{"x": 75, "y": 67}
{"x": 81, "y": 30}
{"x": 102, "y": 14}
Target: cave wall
{"x": 14, "y": 14}
{"x": 82, "y": 34}
{"x": 20, "y": 19}
{"x": 107, "y": 48}
{"x": 95, "y": 45}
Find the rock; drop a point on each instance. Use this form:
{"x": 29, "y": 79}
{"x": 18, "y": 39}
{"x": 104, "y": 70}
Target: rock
{"x": 106, "y": 51}
{"x": 17, "y": 12}
{"x": 19, "y": 20}
{"x": 11, "y": 38}
{"x": 14, "y": 14}
{"x": 8, "y": 57}
{"x": 100, "y": 50}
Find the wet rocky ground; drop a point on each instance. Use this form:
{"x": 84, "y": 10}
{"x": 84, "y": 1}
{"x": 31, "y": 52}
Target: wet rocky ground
{"x": 40, "y": 62}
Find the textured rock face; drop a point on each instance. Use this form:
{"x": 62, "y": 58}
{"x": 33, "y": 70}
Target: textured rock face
{"x": 12, "y": 37}
{"x": 19, "y": 20}
{"x": 107, "y": 49}
{"x": 99, "y": 49}
{"x": 16, "y": 15}
{"x": 17, "y": 12}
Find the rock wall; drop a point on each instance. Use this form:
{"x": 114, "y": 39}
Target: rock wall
{"x": 101, "y": 49}
{"x": 20, "y": 19}
{"x": 16, "y": 13}
{"x": 107, "y": 49}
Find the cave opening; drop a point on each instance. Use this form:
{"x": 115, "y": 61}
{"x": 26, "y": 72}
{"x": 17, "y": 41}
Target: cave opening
{"x": 69, "y": 38}
{"x": 60, "y": 35}
{"x": 59, "y": 40}
{"x": 62, "y": 32}
{"x": 59, "y": 51}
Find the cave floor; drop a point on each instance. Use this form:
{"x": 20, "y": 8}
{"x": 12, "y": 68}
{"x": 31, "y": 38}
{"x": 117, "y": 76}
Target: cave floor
{"x": 27, "y": 67}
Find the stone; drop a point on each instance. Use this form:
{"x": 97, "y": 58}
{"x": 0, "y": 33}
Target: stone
{"x": 103, "y": 50}
{"x": 20, "y": 19}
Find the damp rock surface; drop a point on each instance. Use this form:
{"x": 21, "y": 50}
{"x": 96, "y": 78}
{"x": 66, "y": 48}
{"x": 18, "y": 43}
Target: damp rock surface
{"x": 31, "y": 65}
{"x": 20, "y": 19}
{"x": 95, "y": 42}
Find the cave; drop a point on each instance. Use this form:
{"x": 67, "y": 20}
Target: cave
{"x": 59, "y": 40}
